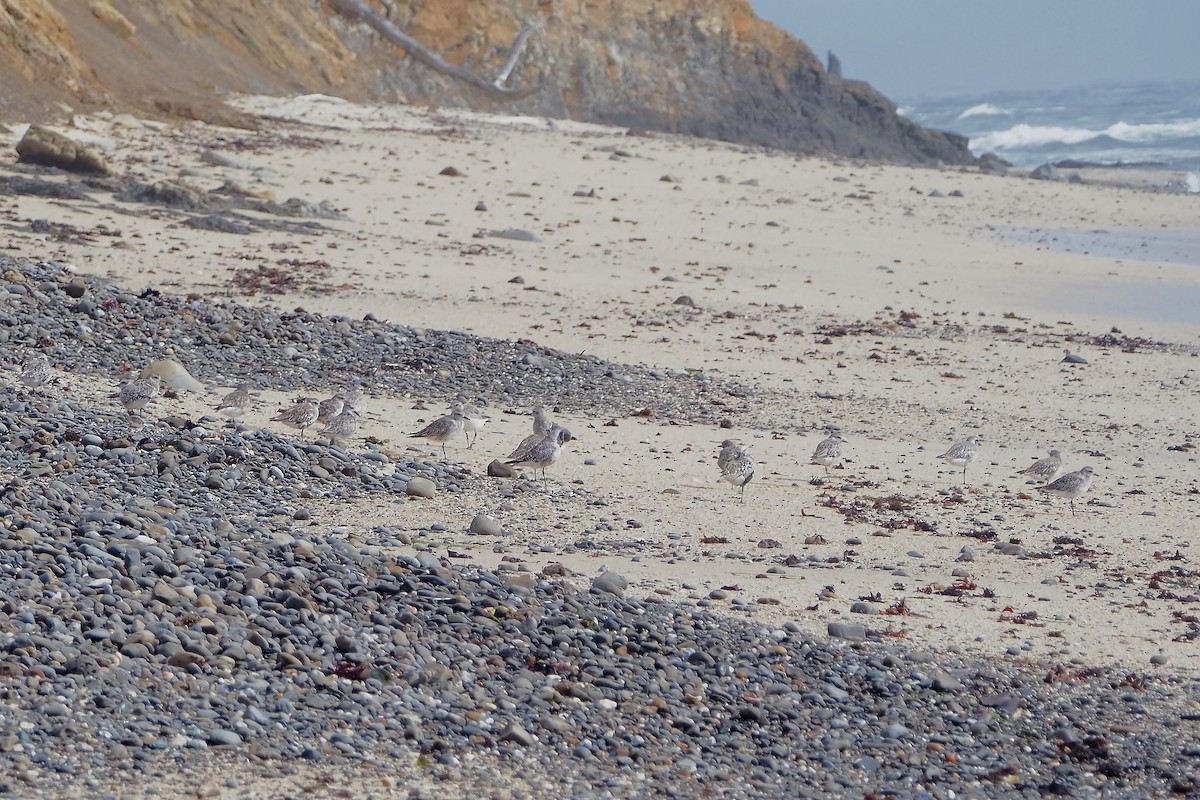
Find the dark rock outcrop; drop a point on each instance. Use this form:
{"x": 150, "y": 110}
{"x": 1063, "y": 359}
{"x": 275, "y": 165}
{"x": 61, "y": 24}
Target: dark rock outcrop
{"x": 703, "y": 67}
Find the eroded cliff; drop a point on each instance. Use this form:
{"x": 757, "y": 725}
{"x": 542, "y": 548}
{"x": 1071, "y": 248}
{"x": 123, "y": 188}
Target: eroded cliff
{"x": 703, "y": 67}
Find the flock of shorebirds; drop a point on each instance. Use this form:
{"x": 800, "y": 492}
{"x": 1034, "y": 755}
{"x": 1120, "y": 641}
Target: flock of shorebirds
{"x": 737, "y": 466}
{"x": 339, "y": 415}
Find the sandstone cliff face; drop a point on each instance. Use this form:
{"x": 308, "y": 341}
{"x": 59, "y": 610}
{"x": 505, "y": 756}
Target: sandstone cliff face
{"x": 703, "y": 67}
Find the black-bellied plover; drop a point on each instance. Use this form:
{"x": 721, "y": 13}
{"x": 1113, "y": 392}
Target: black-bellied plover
{"x": 301, "y": 415}
{"x": 137, "y": 394}
{"x": 541, "y": 421}
{"x": 728, "y": 452}
{"x": 1070, "y": 486}
{"x": 1045, "y": 469}
{"x": 341, "y": 427}
{"x": 237, "y": 402}
{"x": 36, "y": 371}
{"x": 739, "y": 469}
{"x": 962, "y": 453}
{"x": 828, "y": 451}
{"x": 442, "y": 429}
{"x": 329, "y": 408}
{"x": 543, "y": 453}
{"x": 541, "y": 426}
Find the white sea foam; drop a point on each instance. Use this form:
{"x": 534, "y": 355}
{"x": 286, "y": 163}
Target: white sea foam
{"x": 985, "y": 110}
{"x": 1023, "y": 135}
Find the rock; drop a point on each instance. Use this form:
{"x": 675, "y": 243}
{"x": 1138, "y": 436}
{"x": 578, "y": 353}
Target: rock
{"x": 611, "y": 582}
{"x": 43, "y": 146}
{"x": 498, "y": 469}
{"x": 945, "y": 682}
{"x": 420, "y": 487}
{"x": 486, "y": 526}
{"x": 512, "y": 731}
{"x": 1047, "y": 172}
{"x": 862, "y": 607}
{"x": 851, "y": 631}
{"x": 684, "y": 300}
{"x": 173, "y": 375}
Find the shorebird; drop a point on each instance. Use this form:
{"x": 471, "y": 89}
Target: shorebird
{"x": 1070, "y": 486}
{"x": 473, "y": 421}
{"x": 729, "y": 451}
{"x": 541, "y": 421}
{"x": 341, "y": 427}
{"x": 301, "y": 415}
{"x": 35, "y": 371}
{"x": 234, "y": 404}
{"x": 828, "y": 451}
{"x": 962, "y": 453}
{"x": 356, "y": 398}
{"x": 544, "y": 452}
{"x": 329, "y": 408}
{"x": 136, "y": 394}
{"x": 442, "y": 429}
{"x": 541, "y": 426}
{"x": 740, "y": 469}
{"x": 1045, "y": 469}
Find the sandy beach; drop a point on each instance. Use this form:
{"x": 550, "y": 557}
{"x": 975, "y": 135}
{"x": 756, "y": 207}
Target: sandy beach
{"x": 909, "y": 308}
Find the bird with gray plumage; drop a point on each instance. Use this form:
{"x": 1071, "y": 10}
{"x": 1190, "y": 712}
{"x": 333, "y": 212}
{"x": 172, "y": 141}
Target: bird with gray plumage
{"x": 442, "y": 429}
{"x": 329, "y": 408}
{"x": 544, "y": 452}
{"x": 235, "y": 403}
{"x": 341, "y": 427}
{"x": 473, "y": 421}
{"x": 1045, "y": 470}
{"x": 137, "y": 394}
{"x": 541, "y": 426}
{"x": 962, "y": 454}
{"x": 356, "y": 398}
{"x": 1070, "y": 486}
{"x": 828, "y": 451}
{"x": 301, "y": 415}
{"x": 35, "y": 371}
{"x": 728, "y": 452}
{"x": 739, "y": 470}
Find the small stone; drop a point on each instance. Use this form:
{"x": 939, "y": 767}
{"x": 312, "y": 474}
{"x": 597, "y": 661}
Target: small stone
{"x": 863, "y": 608}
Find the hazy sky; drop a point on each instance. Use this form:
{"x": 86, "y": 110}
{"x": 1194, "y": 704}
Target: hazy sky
{"x": 908, "y": 49}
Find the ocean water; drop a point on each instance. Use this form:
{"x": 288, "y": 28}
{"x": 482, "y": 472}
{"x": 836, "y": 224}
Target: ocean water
{"x": 1155, "y": 126}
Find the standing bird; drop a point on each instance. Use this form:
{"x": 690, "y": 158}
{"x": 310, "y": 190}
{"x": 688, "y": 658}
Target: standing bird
{"x": 542, "y": 425}
{"x": 137, "y": 394}
{"x": 234, "y": 404}
{"x": 35, "y": 371}
{"x": 329, "y": 408}
{"x": 739, "y": 469}
{"x": 1070, "y": 486}
{"x": 473, "y": 421}
{"x": 341, "y": 427}
{"x": 543, "y": 453}
{"x": 962, "y": 454}
{"x": 541, "y": 421}
{"x": 1045, "y": 469}
{"x": 828, "y": 451}
{"x": 729, "y": 451}
{"x": 356, "y": 398}
{"x": 442, "y": 429}
{"x": 301, "y": 415}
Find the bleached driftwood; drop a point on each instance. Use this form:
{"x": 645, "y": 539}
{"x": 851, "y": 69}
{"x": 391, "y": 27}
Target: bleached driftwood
{"x": 357, "y": 9}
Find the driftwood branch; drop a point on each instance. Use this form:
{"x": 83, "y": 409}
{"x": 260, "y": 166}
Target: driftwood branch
{"x": 357, "y": 9}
